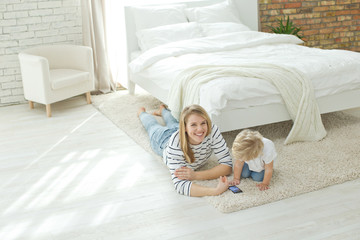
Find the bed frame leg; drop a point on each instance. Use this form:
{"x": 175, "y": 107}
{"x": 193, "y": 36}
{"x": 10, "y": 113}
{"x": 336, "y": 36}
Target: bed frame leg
{"x": 131, "y": 87}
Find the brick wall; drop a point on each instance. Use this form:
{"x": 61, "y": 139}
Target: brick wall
{"x": 29, "y": 23}
{"x": 328, "y": 24}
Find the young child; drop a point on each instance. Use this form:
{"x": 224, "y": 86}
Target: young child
{"x": 254, "y": 157}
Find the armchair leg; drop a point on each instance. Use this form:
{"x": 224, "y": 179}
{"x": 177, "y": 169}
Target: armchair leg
{"x": 31, "y": 104}
{"x": 88, "y": 98}
{"x": 48, "y": 110}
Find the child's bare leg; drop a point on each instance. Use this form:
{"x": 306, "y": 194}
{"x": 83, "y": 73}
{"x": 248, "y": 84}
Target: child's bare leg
{"x": 159, "y": 111}
{"x": 141, "y": 110}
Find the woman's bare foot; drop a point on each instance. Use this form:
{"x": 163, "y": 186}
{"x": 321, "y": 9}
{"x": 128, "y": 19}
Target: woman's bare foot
{"x": 159, "y": 111}
{"x": 141, "y": 110}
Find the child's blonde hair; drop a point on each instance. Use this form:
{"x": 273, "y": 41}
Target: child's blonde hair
{"x": 184, "y": 141}
{"x": 247, "y": 145}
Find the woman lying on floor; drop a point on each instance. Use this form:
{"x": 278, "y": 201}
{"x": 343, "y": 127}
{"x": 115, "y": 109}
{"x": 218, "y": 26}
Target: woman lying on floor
{"x": 186, "y": 146}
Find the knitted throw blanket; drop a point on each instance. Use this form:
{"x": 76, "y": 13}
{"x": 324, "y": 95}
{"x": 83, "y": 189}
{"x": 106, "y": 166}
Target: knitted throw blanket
{"x": 296, "y": 90}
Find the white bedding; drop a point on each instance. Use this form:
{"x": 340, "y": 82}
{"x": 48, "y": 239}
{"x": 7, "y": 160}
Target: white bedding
{"x": 295, "y": 88}
{"x": 331, "y": 71}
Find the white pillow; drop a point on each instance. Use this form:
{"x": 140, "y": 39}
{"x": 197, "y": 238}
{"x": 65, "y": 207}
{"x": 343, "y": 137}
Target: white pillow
{"x": 154, "y": 16}
{"x": 153, "y": 37}
{"x": 212, "y": 29}
{"x": 221, "y": 12}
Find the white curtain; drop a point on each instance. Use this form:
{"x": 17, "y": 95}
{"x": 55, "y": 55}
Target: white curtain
{"x": 104, "y": 31}
{"x": 94, "y": 36}
{"x": 116, "y": 39}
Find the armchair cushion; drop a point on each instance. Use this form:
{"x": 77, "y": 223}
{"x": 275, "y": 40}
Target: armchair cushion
{"x": 61, "y": 78}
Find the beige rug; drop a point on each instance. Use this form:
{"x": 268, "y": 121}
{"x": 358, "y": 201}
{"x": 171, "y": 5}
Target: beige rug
{"x": 299, "y": 168}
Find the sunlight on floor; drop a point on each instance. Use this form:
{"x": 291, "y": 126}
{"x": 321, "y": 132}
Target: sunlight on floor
{"x": 96, "y": 176}
{"x": 22, "y": 201}
{"x": 105, "y": 213}
{"x": 12, "y": 231}
{"x": 55, "y": 221}
{"x": 59, "y": 182}
{"x": 84, "y": 122}
{"x": 68, "y": 157}
{"x": 61, "y": 140}
{"x": 50, "y": 194}
{"x": 132, "y": 175}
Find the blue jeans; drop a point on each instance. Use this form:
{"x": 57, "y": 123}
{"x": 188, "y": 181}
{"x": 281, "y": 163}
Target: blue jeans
{"x": 256, "y": 176}
{"x": 159, "y": 135}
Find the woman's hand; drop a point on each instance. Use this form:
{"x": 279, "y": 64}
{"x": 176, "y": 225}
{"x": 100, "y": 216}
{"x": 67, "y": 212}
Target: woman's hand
{"x": 234, "y": 182}
{"x": 185, "y": 173}
{"x": 197, "y": 190}
{"x": 222, "y": 185}
{"x": 262, "y": 186}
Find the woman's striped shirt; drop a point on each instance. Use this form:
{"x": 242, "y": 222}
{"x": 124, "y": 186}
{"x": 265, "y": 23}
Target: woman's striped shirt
{"x": 174, "y": 157}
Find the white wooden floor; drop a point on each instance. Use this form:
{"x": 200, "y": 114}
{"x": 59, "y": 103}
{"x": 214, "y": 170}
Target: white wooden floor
{"x": 77, "y": 176}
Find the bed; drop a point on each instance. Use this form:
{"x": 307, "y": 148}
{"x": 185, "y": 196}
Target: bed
{"x": 162, "y": 44}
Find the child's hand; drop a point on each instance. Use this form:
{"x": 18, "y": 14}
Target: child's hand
{"x": 234, "y": 182}
{"x": 262, "y": 186}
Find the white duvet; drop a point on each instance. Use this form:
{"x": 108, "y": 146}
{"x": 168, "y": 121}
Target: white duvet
{"x": 220, "y": 43}
{"x": 331, "y": 71}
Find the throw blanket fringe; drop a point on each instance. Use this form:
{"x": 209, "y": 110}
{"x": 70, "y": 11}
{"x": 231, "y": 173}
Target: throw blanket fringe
{"x": 296, "y": 90}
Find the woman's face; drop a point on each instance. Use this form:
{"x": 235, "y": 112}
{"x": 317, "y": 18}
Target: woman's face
{"x": 196, "y": 128}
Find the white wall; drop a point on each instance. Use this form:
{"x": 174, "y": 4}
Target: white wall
{"x": 30, "y": 23}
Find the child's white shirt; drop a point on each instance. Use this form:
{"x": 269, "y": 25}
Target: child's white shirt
{"x": 268, "y": 155}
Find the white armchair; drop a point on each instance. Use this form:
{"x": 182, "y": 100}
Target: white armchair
{"x": 56, "y": 72}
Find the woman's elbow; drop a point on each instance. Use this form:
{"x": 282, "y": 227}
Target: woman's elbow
{"x": 182, "y": 191}
{"x": 179, "y": 192}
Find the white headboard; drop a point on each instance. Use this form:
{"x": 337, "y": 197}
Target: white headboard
{"x": 248, "y": 10}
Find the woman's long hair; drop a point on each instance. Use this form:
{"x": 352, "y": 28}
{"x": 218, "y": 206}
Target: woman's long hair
{"x": 184, "y": 138}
